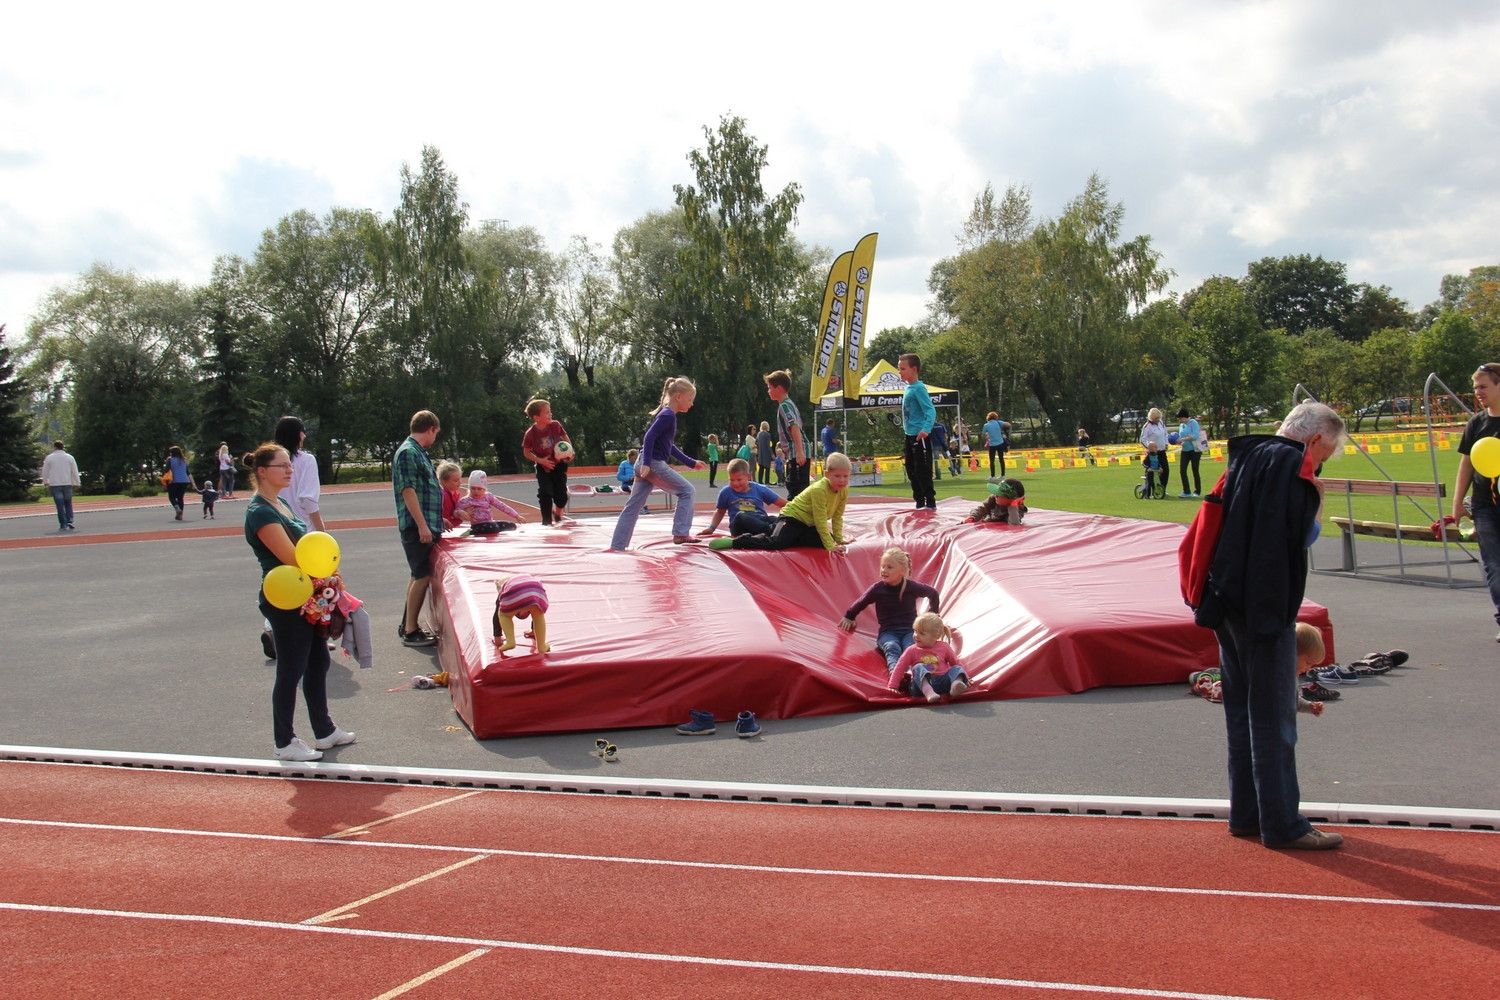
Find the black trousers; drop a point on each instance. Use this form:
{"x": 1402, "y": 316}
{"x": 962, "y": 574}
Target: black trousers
{"x": 919, "y": 470}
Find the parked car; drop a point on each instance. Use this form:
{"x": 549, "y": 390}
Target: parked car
{"x": 1128, "y": 418}
{"x": 1386, "y": 406}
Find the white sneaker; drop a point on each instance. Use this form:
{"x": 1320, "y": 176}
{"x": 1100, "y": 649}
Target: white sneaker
{"x": 297, "y": 750}
{"x": 337, "y": 738}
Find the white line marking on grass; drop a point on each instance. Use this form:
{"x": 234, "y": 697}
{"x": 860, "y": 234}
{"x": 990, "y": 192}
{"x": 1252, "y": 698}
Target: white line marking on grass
{"x": 774, "y": 869}
{"x": 425, "y": 977}
{"x": 322, "y": 917}
{"x": 643, "y": 956}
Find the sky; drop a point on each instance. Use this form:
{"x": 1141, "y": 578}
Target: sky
{"x": 156, "y": 136}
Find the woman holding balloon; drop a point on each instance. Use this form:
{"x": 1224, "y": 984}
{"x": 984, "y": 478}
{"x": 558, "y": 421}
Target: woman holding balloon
{"x": 1479, "y": 465}
{"x": 274, "y": 533}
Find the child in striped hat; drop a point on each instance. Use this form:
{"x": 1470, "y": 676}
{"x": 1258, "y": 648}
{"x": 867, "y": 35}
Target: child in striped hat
{"x": 520, "y": 596}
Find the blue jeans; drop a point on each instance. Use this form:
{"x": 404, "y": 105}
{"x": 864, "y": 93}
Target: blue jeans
{"x": 893, "y": 642}
{"x": 1487, "y": 533}
{"x": 62, "y": 496}
{"x": 665, "y": 476}
{"x": 1259, "y": 676}
{"x": 941, "y": 683}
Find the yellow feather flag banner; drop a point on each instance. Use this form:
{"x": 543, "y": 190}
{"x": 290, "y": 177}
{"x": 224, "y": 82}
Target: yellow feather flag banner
{"x": 830, "y": 324}
{"x": 859, "y": 305}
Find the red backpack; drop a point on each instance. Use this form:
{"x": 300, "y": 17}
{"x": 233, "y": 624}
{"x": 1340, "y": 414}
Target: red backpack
{"x": 1195, "y": 556}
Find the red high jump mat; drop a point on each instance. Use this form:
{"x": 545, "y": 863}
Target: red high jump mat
{"x": 1061, "y": 604}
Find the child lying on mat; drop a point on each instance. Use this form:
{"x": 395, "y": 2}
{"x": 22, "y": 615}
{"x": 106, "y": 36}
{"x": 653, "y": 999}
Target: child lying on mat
{"x": 815, "y": 518}
{"x": 1004, "y": 505}
{"x": 931, "y": 662}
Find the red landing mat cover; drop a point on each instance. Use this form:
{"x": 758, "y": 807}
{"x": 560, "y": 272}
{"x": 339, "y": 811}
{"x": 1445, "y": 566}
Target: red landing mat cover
{"x": 1061, "y": 604}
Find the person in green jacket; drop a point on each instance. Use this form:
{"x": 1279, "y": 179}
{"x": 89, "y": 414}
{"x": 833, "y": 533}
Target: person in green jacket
{"x": 814, "y": 518}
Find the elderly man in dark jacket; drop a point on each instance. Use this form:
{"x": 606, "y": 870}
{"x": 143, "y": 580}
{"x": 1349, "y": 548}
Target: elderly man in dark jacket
{"x": 1259, "y": 573}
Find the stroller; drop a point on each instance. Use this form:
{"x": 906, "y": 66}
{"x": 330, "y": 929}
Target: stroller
{"x": 1153, "y": 484}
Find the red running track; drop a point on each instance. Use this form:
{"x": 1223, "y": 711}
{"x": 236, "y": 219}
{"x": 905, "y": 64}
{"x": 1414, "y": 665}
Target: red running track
{"x": 125, "y": 883}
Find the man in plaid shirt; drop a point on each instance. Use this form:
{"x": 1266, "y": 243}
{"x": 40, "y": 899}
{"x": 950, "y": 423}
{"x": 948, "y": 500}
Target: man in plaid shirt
{"x": 419, "y": 516}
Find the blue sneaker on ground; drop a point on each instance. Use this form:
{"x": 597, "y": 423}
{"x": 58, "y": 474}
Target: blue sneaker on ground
{"x": 701, "y": 724}
{"x": 746, "y": 726}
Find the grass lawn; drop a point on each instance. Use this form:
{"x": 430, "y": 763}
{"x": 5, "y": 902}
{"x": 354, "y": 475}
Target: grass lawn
{"x": 1107, "y": 489}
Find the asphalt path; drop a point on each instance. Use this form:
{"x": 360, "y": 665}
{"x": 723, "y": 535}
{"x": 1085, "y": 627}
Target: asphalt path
{"x": 151, "y": 645}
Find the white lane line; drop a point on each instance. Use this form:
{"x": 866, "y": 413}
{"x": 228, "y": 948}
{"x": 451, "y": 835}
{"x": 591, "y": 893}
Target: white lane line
{"x": 355, "y": 830}
{"x": 322, "y": 917}
{"x": 645, "y": 956}
{"x": 774, "y": 869}
{"x": 426, "y": 977}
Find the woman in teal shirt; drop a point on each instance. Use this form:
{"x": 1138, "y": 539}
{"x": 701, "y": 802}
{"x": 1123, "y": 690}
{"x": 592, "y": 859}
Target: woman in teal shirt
{"x": 272, "y": 531}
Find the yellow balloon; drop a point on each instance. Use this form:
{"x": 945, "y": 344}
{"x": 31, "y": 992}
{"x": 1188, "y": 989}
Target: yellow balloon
{"x": 1485, "y": 457}
{"x": 318, "y": 553}
{"x": 287, "y": 587}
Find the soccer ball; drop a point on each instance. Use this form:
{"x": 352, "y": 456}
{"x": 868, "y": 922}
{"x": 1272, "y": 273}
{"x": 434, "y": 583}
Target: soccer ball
{"x": 563, "y": 451}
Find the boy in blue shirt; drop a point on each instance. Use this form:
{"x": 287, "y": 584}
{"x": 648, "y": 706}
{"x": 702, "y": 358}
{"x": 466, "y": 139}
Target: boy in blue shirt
{"x": 745, "y": 502}
{"x": 917, "y": 417}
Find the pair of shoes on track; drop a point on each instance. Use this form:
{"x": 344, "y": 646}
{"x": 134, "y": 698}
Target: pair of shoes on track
{"x": 299, "y": 751}
{"x": 702, "y": 724}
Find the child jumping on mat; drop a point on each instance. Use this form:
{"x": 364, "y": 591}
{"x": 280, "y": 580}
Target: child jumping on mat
{"x": 814, "y": 519}
{"x": 480, "y": 505}
{"x": 931, "y": 663}
{"x": 744, "y": 502}
{"x": 539, "y": 445}
{"x": 677, "y": 396}
{"x": 898, "y": 600}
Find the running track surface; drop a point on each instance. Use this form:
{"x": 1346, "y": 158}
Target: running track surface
{"x": 126, "y": 883}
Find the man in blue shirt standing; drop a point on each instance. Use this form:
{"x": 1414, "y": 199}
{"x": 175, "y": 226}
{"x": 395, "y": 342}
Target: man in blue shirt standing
{"x": 830, "y": 437}
{"x": 917, "y": 418}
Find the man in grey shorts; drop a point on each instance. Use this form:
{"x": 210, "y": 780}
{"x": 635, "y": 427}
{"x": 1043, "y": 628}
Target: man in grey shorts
{"x": 419, "y": 516}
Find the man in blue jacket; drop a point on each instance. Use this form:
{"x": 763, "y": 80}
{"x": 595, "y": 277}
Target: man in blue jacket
{"x": 1272, "y": 497}
{"x": 917, "y": 417}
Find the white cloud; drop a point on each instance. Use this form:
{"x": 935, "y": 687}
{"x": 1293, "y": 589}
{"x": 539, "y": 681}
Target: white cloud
{"x": 161, "y": 135}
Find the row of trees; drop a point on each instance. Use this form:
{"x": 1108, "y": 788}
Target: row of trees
{"x": 1064, "y": 317}
{"x": 354, "y": 321}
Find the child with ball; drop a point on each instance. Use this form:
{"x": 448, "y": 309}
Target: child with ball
{"x": 898, "y": 599}
{"x": 540, "y": 445}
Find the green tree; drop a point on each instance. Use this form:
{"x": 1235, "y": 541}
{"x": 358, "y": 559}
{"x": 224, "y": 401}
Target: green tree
{"x": 1450, "y": 348}
{"x": 1230, "y": 356}
{"x": 1326, "y": 365}
{"x": 125, "y": 348}
{"x": 435, "y": 309}
{"x": 1386, "y": 362}
{"x": 1053, "y": 309}
{"x": 744, "y": 291}
{"x": 323, "y": 292}
{"x": 585, "y": 319}
{"x": 20, "y": 457}
{"x": 229, "y": 412}
{"x": 513, "y": 282}
{"x": 1374, "y": 308}
{"x": 1299, "y": 293}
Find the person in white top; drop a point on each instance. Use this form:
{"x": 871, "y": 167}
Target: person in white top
{"x": 1154, "y": 431}
{"x": 60, "y": 476}
{"x": 302, "y": 495}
